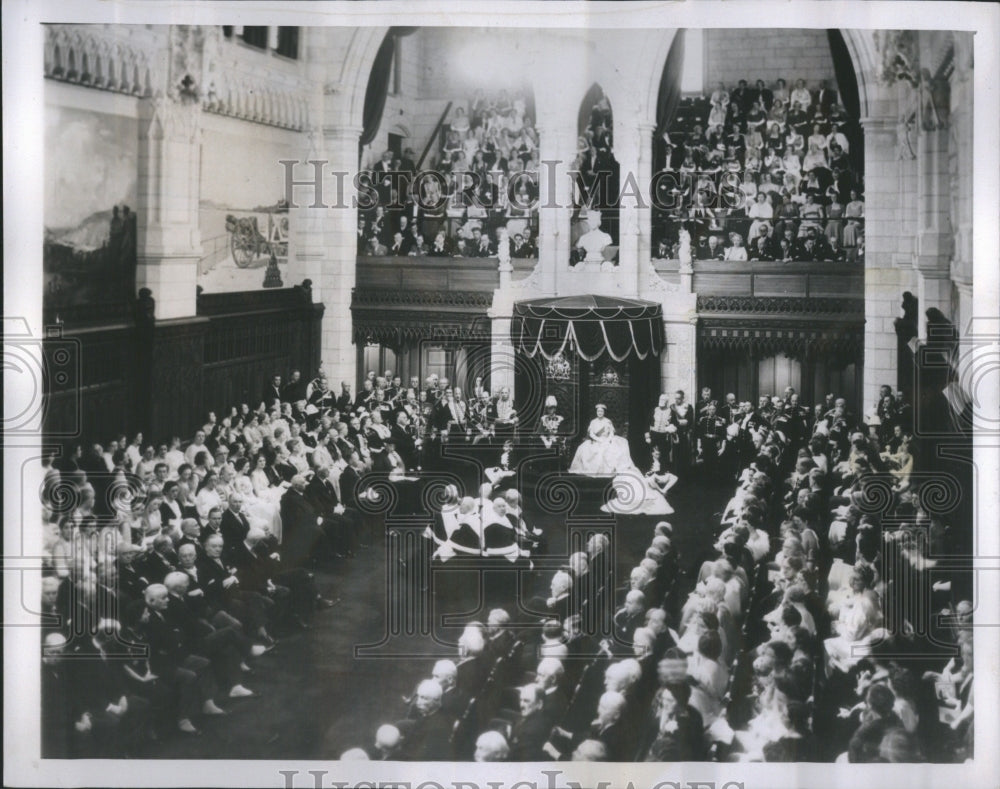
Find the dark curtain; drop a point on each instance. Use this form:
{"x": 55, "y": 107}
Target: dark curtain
{"x": 378, "y": 84}
{"x": 670, "y": 85}
{"x": 588, "y": 326}
{"x": 587, "y": 106}
{"x": 850, "y": 98}
{"x": 643, "y": 393}
{"x": 843, "y": 69}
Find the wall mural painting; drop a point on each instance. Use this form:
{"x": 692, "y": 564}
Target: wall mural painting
{"x": 237, "y": 246}
{"x": 89, "y": 248}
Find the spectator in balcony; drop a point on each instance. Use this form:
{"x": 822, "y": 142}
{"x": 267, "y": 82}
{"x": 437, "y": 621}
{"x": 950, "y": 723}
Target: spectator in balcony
{"x": 720, "y": 95}
{"x": 854, "y": 212}
{"x": 826, "y": 97}
{"x": 835, "y": 253}
{"x": 761, "y": 212}
{"x": 815, "y": 158}
{"x": 742, "y": 97}
{"x": 712, "y": 249}
{"x": 777, "y": 114}
{"x": 756, "y": 118}
{"x": 812, "y": 247}
{"x": 764, "y": 95}
{"x": 812, "y": 215}
{"x": 834, "y": 216}
{"x": 801, "y": 94}
{"x": 441, "y": 246}
{"x": 762, "y": 245}
{"x": 399, "y": 246}
{"x": 481, "y": 247}
{"x": 797, "y": 117}
{"x": 736, "y": 252}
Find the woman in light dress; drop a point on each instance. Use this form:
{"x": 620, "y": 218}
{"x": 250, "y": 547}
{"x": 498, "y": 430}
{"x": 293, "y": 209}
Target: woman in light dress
{"x": 263, "y": 511}
{"x": 602, "y": 453}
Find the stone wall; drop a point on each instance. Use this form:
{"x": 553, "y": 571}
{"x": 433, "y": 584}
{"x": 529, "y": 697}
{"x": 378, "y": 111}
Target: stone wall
{"x": 767, "y": 54}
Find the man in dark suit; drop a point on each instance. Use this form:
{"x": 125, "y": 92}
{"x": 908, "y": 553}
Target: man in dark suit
{"x": 765, "y": 96}
{"x": 157, "y": 563}
{"x": 224, "y": 590}
{"x": 187, "y": 673}
{"x": 428, "y": 737}
{"x": 404, "y": 442}
{"x": 529, "y": 735}
{"x": 826, "y": 97}
{"x": 234, "y": 525}
{"x": 272, "y": 391}
{"x": 630, "y": 616}
{"x": 341, "y": 527}
{"x": 606, "y": 728}
{"x": 304, "y": 539}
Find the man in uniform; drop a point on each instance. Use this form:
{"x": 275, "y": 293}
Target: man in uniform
{"x": 711, "y": 437}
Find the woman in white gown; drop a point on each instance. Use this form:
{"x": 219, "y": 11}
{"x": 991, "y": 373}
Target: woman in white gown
{"x": 603, "y": 453}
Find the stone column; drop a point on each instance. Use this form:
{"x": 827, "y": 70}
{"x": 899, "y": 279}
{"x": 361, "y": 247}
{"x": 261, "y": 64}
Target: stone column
{"x": 308, "y": 216}
{"x": 961, "y": 143}
{"x": 628, "y": 152}
{"x": 643, "y": 177}
{"x": 883, "y": 280}
{"x": 557, "y": 149}
{"x": 340, "y": 243}
{"x": 169, "y": 171}
{"x": 934, "y": 240}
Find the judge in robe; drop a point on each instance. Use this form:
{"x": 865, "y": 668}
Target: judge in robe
{"x": 503, "y": 560}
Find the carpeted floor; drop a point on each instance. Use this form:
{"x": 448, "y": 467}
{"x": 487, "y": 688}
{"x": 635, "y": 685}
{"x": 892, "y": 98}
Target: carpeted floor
{"x": 327, "y": 689}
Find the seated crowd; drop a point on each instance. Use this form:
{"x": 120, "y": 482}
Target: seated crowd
{"x": 204, "y": 551}
{"x": 776, "y": 647}
{"x": 487, "y": 181}
{"x": 760, "y": 173}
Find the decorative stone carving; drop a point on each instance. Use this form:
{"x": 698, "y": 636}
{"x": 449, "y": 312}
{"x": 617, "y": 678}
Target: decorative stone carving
{"x": 103, "y": 57}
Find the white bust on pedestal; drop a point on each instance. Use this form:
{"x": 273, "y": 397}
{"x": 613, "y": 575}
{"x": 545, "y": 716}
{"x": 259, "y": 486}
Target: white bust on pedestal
{"x": 594, "y": 242}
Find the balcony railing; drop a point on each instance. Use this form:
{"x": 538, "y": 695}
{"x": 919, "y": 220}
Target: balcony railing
{"x": 769, "y": 279}
{"x": 434, "y": 273}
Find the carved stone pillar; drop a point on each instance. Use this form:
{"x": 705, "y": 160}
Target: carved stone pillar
{"x": 169, "y": 170}
{"x": 340, "y": 144}
{"x": 557, "y": 149}
{"x": 885, "y": 243}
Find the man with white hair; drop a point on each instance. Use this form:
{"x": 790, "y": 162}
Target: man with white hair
{"x": 387, "y": 742}
{"x": 529, "y": 734}
{"x": 559, "y": 602}
{"x": 549, "y": 676}
{"x": 501, "y": 639}
{"x": 629, "y": 616}
{"x": 491, "y": 747}
{"x": 590, "y": 751}
{"x": 224, "y": 647}
{"x": 429, "y": 735}
{"x": 453, "y": 700}
{"x": 188, "y": 675}
{"x": 607, "y": 729}
{"x": 304, "y": 540}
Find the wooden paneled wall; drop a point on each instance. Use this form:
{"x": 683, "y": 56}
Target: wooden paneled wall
{"x": 162, "y": 377}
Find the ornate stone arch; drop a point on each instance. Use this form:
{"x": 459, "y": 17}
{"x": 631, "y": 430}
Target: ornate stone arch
{"x": 356, "y": 69}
